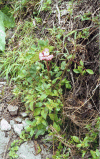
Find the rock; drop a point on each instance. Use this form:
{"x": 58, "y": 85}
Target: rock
{"x": 12, "y": 123}
{"x": 1, "y": 107}
{"x": 3, "y": 143}
{"x": 18, "y": 128}
{"x": 23, "y": 114}
{"x": 18, "y": 119}
{"x": 27, "y": 151}
{"x": 24, "y": 123}
{"x": 12, "y": 109}
{"x": 2, "y": 83}
{"x": 1, "y": 86}
{"x": 64, "y": 12}
{"x": 5, "y": 126}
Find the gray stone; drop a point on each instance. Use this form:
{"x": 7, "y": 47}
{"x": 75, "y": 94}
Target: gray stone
{"x": 24, "y": 123}
{"x": 3, "y": 143}
{"x": 23, "y": 114}
{"x": 12, "y": 123}
{"x": 1, "y": 86}
{"x": 27, "y": 151}
{"x": 2, "y": 83}
{"x": 1, "y": 108}
{"x": 5, "y": 126}
{"x": 18, "y": 128}
{"x": 12, "y": 109}
{"x": 18, "y": 119}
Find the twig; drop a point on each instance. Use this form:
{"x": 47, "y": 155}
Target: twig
{"x": 58, "y": 11}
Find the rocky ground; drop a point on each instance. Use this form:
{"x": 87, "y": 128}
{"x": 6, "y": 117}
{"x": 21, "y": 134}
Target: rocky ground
{"x": 12, "y": 122}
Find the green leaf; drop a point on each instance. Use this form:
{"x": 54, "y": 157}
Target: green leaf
{"x": 89, "y": 71}
{"x": 37, "y": 111}
{"x": 32, "y": 132}
{"x": 7, "y": 20}
{"x": 79, "y": 145}
{"x": 31, "y": 106}
{"x": 69, "y": 57}
{"x": 76, "y": 139}
{"x": 39, "y": 104}
{"x": 97, "y": 152}
{"x": 2, "y": 36}
{"x": 76, "y": 70}
{"x": 57, "y": 127}
{"x": 93, "y": 154}
{"x": 63, "y": 65}
{"x": 40, "y": 132}
{"x": 83, "y": 153}
{"x": 81, "y": 63}
{"x": 68, "y": 86}
{"x": 44, "y": 113}
{"x": 42, "y": 97}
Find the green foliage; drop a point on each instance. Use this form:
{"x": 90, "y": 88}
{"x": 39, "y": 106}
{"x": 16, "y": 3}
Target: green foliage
{"x": 46, "y": 5}
{"x": 61, "y": 152}
{"x": 14, "y": 148}
{"x": 6, "y": 21}
{"x": 80, "y": 69}
{"x": 89, "y": 143}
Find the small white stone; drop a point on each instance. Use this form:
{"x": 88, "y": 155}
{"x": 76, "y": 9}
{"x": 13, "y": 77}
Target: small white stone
{"x": 12, "y": 109}
{"x": 18, "y": 119}
{"x": 23, "y": 114}
{"x": 5, "y": 126}
{"x": 24, "y": 123}
{"x": 18, "y": 128}
{"x": 2, "y": 83}
{"x": 12, "y": 123}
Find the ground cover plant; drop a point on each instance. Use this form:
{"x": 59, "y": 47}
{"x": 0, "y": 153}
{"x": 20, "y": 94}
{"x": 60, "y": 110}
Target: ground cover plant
{"x": 53, "y": 59}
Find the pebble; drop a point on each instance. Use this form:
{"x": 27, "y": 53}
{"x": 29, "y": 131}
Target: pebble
{"x": 23, "y": 114}
{"x": 5, "y": 126}
{"x": 18, "y": 128}
{"x": 13, "y": 110}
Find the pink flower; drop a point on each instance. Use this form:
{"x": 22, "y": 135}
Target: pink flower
{"x": 41, "y": 56}
{"x": 45, "y": 55}
{"x": 49, "y": 58}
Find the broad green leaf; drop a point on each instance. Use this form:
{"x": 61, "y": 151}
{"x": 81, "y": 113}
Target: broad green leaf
{"x": 81, "y": 63}
{"x": 89, "y": 71}
{"x": 44, "y": 122}
{"x": 28, "y": 128}
{"x": 39, "y": 104}
{"x": 31, "y": 106}
{"x": 93, "y": 154}
{"x": 44, "y": 113}
{"x": 79, "y": 145}
{"x": 57, "y": 127}
{"x": 63, "y": 65}
{"x": 37, "y": 111}
{"x": 76, "y": 139}
{"x": 52, "y": 116}
{"x": 42, "y": 97}
{"x": 76, "y": 70}
{"x": 32, "y": 132}
{"x": 97, "y": 152}
{"x": 68, "y": 86}
{"x": 69, "y": 57}
{"x": 2, "y": 36}
{"x": 83, "y": 153}
{"x": 40, "y": 132}
{"x": 7, "y": 20}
